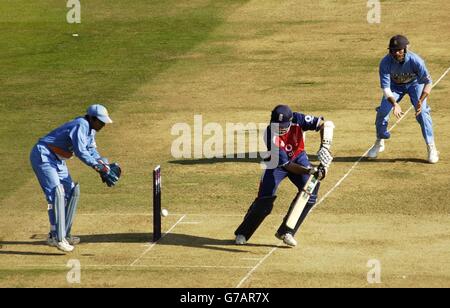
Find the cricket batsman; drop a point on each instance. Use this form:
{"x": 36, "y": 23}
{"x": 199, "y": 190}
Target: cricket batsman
{"x": 404, "y": 72}
{"x": 284, "y": 138}
{"x": 48, "y": 159}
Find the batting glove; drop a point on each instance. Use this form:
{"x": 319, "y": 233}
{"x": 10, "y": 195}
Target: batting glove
{"x": 324, "y": 156}
{"x": 320, "y": 172}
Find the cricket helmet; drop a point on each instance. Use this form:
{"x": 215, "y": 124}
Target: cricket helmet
{"x": 281, "y": 115}
{"x": 100, "y": 112}
{"x": 398, "y": 42}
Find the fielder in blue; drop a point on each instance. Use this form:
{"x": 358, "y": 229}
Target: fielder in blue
{"x": 403, "y": 72}
{"x": 288, "y": 160}
{"x": 48, "y": 159}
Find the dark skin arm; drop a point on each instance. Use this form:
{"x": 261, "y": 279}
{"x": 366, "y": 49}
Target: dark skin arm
{"x": 297, "y": 169}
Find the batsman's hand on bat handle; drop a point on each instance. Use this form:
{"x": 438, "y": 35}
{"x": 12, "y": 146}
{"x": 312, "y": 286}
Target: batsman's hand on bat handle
{"x": 319, "y": 172}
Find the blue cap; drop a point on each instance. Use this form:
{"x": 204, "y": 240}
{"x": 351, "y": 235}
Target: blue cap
{"x": 281, "y": 115}
{"x": 99, "y": 112}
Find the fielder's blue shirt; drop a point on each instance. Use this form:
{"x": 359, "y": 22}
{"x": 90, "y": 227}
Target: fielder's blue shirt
{"x": 394, "y": 74}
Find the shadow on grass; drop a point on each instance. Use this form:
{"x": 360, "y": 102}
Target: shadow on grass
{"x": 247, "y": 158}
{"x": 29, "y": 253}
{"x": 353, "y": 159}
{"x": 171, "y": 239}
{"x": 5, "y": 244}
{"x": 312, "y": 158}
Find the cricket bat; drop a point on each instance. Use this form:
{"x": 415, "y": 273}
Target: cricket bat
{"x": 301, "y": 201}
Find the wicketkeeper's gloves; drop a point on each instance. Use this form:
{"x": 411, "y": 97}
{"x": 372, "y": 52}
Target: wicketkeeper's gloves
{"x": 109, "y": 174}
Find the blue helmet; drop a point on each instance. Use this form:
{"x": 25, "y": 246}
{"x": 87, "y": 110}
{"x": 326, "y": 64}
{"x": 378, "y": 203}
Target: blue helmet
{"x": 100, "y": 112}
{"x": 282, "y": 115}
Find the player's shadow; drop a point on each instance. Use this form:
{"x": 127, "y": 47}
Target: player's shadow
{"x": 171, "y": 239}
{"x": 6, "y": 245}
{"x": 253, "y": 157}
{"x": 354, "y": 159}
{"x": 249, "y": 157}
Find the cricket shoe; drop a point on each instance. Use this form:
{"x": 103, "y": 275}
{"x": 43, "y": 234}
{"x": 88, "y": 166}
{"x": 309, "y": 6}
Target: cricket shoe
{"x": 73, "y": 240}
{"x": 51, "y": 241}
{"x": 433, "y": 154}
{"x": 63, "y": 245}
{"x": 240, "y": 240}
{"x": 378, "y": 147}
{"x": 287, "y": 238}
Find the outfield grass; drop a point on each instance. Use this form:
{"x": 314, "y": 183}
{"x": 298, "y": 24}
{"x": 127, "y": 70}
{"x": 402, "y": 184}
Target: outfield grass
{"x": 157, "y": 63}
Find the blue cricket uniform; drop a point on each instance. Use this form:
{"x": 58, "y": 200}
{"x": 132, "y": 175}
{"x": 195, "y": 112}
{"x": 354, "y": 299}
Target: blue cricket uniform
{"x": 408, "y": 77}
{"x": 289, "y": 148}
{"x": 48, "y": 157}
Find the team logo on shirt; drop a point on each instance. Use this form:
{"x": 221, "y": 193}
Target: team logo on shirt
{"x": 404, "y": 77}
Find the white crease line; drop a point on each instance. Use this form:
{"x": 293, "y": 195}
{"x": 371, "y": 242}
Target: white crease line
{"x": 153, "y": 244}
{"x": 106, "y": 266}
{"x": 332, "y": 190}
{"x": 257, "y": 265}
{"x": 189, "y": 223}
{"x": 151, "y": 215}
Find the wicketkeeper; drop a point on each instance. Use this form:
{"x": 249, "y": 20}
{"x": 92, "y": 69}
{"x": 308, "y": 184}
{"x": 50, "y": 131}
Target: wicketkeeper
{"x": 284, "y": 138}
{"x": 48, "y": 159}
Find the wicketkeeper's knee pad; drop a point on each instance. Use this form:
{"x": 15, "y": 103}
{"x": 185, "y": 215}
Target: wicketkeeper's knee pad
{"x": 59, "y": 212}
{"x": 72, "y": 207}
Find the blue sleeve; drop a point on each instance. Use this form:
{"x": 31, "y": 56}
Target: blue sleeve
{"x": 81, "y": 145}
{"x": 385, "y": 74}
{"x": 423, "y": 76}
{"x": 307, "y": 122}
{"x": 92, "y": 148}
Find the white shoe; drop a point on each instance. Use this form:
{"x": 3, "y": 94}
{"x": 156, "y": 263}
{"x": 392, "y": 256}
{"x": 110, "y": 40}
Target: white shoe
{"x": 378, "y": 147}
{"x": 73, "y": 240}
{"x": 287, "y": 238}
{"x": 240, "y": 240}
{"x": 433, "y": 155}
{"x": 64, "y": 246}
